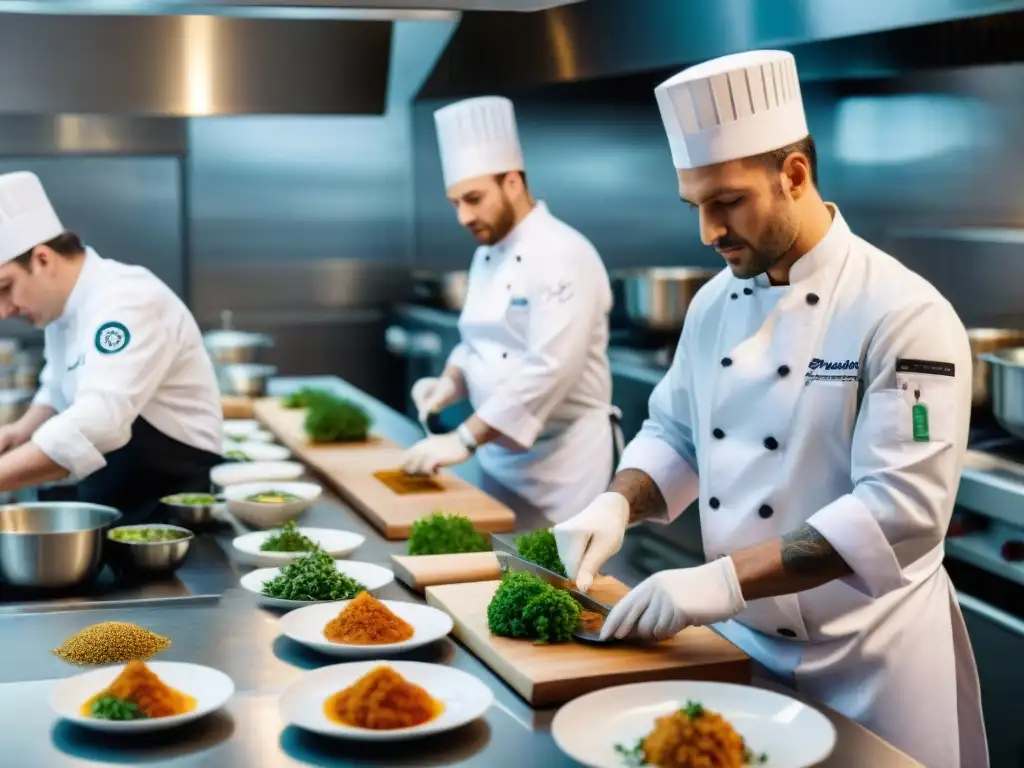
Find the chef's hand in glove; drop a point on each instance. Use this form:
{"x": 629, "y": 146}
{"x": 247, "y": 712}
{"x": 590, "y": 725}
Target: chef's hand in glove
{"x": 587, "y": 540}
{"x": 670, "y": 601}
{"x": 430, "y": 454}
{"x": 432, "y": 394}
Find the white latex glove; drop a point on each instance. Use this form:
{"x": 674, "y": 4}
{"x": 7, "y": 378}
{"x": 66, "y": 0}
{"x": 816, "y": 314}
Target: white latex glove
{"x": 431, "y": 394}
{"x": 430, "y": 454}
{"x": 670, "y": 601}
{"x": 586, "y": 541}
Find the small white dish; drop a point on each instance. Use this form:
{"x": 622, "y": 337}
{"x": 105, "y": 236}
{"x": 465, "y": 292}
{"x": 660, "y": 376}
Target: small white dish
{"x": 791, "y": 733}
{"x": 210, "y": 687}
{"x": 266, "y": 514}
{"x": 373, "y": 577}
{"x": 256, "y": 451}
{"x": 306, "y": 626}
{"x": 335, "y": 543}
{"x": 465, "y": 698}
{"x": 240, "y": 429}
{"x": 234, "y": 473}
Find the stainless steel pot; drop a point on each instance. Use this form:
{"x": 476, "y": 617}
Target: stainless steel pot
{"x": 1006, "y": 378}
{"x": 245, "y": 379}
{"x": 142, "y": 559}
{"x": 230, "y": 347}
{"x": 53, "y": 544}
{"x": 983, "y": 341}
{"x": 14, "y": 403}
{"x": 657, "y": 299}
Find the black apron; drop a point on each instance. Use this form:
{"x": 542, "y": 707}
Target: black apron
{"x": 151, "y": 466}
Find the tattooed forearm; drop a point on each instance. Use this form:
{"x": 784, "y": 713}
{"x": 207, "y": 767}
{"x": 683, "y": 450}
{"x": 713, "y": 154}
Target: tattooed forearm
{"x": 805, "y": 552}
{"x": 642, "y": 493}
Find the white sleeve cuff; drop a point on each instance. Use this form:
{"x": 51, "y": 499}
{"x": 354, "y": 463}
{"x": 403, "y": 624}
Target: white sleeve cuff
{"x": 856, "y": 535}
{"x": 67, "y": 446}
{"x": 673, "y": 475}
{"x": 511, "y": 419}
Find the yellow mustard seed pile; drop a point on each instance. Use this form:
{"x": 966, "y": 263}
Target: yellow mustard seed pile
{"x": 111, "y": 642}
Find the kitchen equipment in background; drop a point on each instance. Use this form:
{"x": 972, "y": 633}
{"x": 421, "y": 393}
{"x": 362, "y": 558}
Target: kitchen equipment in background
{"x": 983, "y": 341}
{"x": 53, "y": 545}
{"x": 134, "y": 560}
{"x": 446, "y": 290}
{"x": 8, "y": 351}
{"x": 657, "y": 299}
{"x": 244, "y": 379}
{"x": 227, "y": 346}
{"x": 1006, "y": 378}
{"x": 28, "y": 364}
{"x": 14, "y": 403}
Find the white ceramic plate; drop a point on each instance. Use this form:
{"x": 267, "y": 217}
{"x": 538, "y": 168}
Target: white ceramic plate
{"x": 240, "y": 429}
{"x": 233, "y": 473}
{"x": 373, "y": 577}
{"x": 306, "y": 626}
{"x": 257, "y": 451}
{"x": 465, "y": 698}
{"x": 335, "y": 543}
{"x": 792, "y": 734}
{"x": 270, "y": 514}
{"x": 210, "y": 687}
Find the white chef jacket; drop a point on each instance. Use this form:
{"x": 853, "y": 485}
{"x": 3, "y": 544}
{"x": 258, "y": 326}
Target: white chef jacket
{"x": 796, "y": 404}
{"x": 533, "y": 351}
{"x": 125, "y": 346}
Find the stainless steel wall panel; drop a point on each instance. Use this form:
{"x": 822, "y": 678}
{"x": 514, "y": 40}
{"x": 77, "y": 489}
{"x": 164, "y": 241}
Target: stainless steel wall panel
{"x": 36, "y": 135}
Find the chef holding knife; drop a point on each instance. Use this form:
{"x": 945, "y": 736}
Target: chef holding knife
{"x": 818, "y": 408}
{"x": 128, "y": 402}
{"x": 534, "y": 329}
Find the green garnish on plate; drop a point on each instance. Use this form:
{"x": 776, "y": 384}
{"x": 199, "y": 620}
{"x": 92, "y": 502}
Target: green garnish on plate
{"x": 288, "y": 539}
{"x": 113, "y": 708}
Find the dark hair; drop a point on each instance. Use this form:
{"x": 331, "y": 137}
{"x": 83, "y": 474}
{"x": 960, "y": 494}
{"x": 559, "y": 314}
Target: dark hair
{"x": 776, "y": 159}
{"x": 500, "y": 177}
{"x": 66, "y": 244}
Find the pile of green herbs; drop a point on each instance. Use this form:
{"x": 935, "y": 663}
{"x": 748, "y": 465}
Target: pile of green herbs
{"x": 310, "y": 578}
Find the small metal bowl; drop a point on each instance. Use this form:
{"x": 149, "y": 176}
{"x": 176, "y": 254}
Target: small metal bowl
{"x": 142, "y": 559}
{"x": 194, "y": 517}
{"x": 245, "y": 379}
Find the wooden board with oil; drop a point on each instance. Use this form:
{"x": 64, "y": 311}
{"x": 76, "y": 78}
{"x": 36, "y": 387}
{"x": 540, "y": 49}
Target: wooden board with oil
{"x": 351, "y": 471}
{"x": 402, "y": 484}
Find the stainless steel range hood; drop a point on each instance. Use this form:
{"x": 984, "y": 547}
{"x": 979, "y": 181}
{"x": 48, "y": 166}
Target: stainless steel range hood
{"x": 609, "y": 38}
{"x": 190, "y": 66}
{"x": 322, "y": 9}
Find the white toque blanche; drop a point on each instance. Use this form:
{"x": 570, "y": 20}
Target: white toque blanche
{"x": 732, "y": 107}
{"x": 477, "y": 137}
{"x": 26, "y": 217}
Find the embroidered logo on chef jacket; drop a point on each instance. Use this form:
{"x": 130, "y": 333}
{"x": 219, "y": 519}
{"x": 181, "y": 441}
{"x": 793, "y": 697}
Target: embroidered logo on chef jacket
{"x": 832, "y": 370}
{"x": 77, "y": 364}
{"x": 560, "y": 291}
{"x": 112, "y": 337}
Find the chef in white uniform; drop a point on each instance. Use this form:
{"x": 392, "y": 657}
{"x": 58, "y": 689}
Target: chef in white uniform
{"x": 818, "y": 409}
{"x": 128, "y": 403}
{"x": 534, "y": 329}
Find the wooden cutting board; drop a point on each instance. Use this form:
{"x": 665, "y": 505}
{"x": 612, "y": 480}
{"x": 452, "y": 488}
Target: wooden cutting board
{"x": 364, "y": 475}
{"x": 547, "y": 675}
{"x": 235, "y": 407}
{"x": 421, "y": 571}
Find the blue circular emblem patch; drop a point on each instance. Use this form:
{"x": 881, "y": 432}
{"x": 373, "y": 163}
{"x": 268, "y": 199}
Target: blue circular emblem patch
{"x": 112, "y": 337}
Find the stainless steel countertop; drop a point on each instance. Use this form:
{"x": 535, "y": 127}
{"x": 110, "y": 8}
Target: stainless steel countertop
{"x": 232, "y": 633}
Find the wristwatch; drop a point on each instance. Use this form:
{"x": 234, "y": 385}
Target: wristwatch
{"x": 466, "y": 438}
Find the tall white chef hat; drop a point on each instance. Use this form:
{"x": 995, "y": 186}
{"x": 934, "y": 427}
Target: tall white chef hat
{"x": 26, "y": 216}
{"x": 732, "y": 107}
{"x": 478, "y": 137}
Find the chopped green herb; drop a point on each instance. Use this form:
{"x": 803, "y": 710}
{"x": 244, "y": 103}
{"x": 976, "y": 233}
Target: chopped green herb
{"x": 288, "y": 539}
{"x": 313, "y": 577}
{"x": 336, "y": 420}
{"x": 191, "y": 499}
{"x": 113, "y": 708}
{"x": 693, "y": 710}
{"x": 302, "y": 398}
{"x": 539, "y": 547}
{"x": 236, "y": 455}
{"x": 443, "y": 534}
{"x": 632, "y": 757}
{"x": 146, "y": 535}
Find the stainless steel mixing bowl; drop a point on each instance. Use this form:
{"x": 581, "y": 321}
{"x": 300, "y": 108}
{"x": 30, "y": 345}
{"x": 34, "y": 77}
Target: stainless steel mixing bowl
{"x": 194, "y": 517}
{"x": 53, "y": 544}
{"x": 142, "y": 559}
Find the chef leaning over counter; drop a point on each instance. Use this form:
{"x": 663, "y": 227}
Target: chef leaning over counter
{"x": 818, "y": 408}
{"x": 128, "y": 402}
{"x": 534, "y": 329}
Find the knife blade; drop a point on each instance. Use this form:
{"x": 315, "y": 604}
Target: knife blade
{"x": 501, "y": 543}
{"x": 510, "y": 562}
